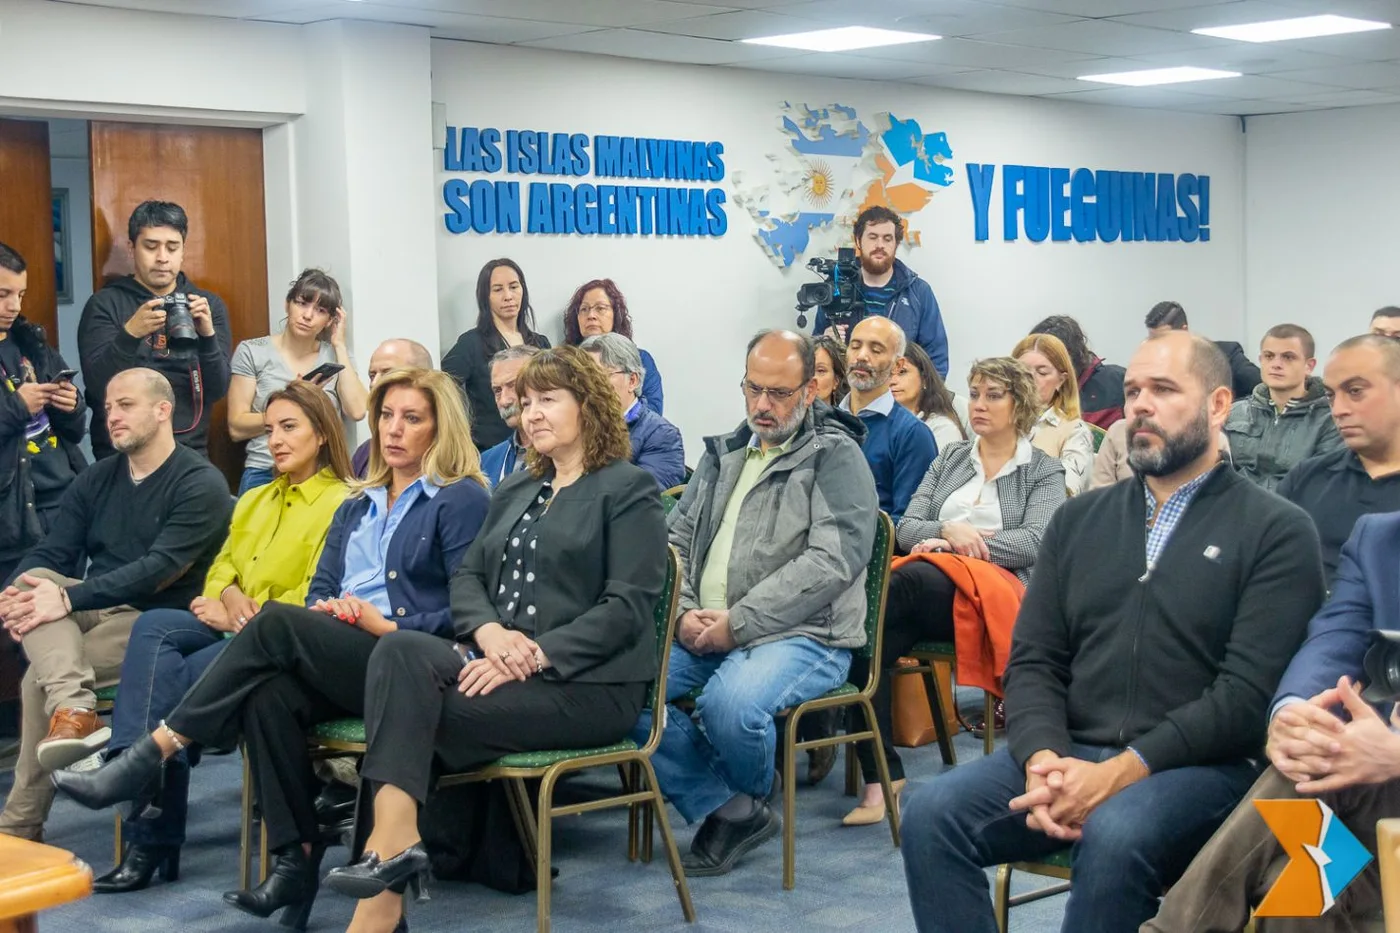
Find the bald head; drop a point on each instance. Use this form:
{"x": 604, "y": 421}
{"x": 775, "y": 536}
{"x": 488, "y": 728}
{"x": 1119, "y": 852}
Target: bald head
{"x": 784, "y": 346}
{"x": 139, "y": 404}
{"x": 1198, "y": 357}
{"x": 883, "y": 329}
{"x": 875, "y": 347}
{"x": 1177, "y": 396}
{"x": 144, "y": 383}
{"x": 398, "y": 353}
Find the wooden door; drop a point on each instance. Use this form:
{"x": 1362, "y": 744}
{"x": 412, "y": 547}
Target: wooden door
{"x": 216, "y": 175}
{"x": 26, "y": 215}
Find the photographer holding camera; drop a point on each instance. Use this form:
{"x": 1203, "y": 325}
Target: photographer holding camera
{"x": 158, "y": 319}
{"x": 891, "y": 289}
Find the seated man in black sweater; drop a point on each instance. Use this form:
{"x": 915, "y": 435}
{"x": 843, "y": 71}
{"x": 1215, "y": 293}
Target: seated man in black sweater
{"x": 1160, "y": 617}
{"x": 146, "y": 525}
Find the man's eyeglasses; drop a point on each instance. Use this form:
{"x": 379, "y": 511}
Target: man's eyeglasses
{"x": 754, "y": 392}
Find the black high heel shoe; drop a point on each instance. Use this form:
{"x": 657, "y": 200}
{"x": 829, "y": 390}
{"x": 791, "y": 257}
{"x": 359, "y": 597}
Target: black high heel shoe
{"x": 133, "y": 775}
{"x": 137, "y": 867}
{"x": 290, "y": 887}
{"x": 372, "y": 876}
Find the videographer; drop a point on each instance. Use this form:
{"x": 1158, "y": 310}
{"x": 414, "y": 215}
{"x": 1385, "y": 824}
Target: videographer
{"x": 158, "y": 319}
{"x": 892, "y": 289}
{"x": 1325, "y": 741}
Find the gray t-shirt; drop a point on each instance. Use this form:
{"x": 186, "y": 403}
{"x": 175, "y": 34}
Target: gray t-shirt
{"x": 260, "y": 360}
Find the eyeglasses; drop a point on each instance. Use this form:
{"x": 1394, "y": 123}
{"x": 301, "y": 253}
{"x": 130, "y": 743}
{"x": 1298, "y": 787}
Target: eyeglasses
{"x": 599, "y": 310}
{"x": 754, "y": 393}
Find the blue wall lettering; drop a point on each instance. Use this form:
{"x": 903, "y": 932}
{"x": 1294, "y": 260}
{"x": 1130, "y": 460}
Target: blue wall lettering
{"x": 477, "y": 205}
{"x": 1090, "y": 205}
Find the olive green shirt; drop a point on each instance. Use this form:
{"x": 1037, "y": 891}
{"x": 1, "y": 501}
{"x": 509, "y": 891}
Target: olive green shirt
{"x": 714, "y": 579}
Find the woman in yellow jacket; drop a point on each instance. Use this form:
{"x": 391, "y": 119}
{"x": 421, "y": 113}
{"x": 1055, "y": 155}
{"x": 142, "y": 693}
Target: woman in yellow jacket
{"x": 270, "y": 555}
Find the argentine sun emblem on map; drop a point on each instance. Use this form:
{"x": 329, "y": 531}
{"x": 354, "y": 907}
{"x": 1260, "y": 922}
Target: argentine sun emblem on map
{"x": 834, "y": 165}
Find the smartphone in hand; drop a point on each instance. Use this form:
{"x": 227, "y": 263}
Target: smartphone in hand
{"x": 323, "y": 372}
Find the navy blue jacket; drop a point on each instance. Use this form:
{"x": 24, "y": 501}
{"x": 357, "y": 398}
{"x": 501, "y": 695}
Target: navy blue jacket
{"x": 499, "y": 462}
{"x": 657, "y": 447}
{"x": 915, "y": 310}
{"x": 426, "y": 548}
{"x": 1365, "y": 596}
{"x": 651, "y": 384}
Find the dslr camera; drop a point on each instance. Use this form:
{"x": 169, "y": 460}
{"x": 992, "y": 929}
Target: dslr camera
{"x": 839, "y": 296}
{"x": 180, "y": 335}
{"x": 1382, "y": 666}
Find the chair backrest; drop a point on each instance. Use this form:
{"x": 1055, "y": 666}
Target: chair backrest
{"x": 1099, "y": 434}
{"x": 664, "y": 615}
{"x": 668, "y": 502}
{"x": 877, "y": 585}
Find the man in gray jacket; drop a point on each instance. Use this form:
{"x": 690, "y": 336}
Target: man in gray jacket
{"x": 1288, "y": 418}
{"x": 774, "y": 533}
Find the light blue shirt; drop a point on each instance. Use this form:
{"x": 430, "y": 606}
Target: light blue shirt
{"x": 883, "y": 405}
{"x": 367, "y": 550}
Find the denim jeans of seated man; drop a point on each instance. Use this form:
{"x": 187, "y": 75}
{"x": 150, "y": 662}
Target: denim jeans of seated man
{"x": 168, "y": 650}
{"x": 728, "y": 747}
{"x": 1134, "y": 845}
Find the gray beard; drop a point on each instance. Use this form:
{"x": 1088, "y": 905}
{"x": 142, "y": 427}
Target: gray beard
{"x": 784, "y": 429}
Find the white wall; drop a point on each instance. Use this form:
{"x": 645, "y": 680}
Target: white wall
{"x": 1322, "y": 202}
{"x": 696, "y": 301}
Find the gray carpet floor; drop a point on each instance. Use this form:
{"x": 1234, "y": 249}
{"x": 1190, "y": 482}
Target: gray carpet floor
{"x": 847, "y": 878}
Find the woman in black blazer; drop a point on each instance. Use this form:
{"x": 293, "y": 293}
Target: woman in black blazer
{"x": 553, "y": 609}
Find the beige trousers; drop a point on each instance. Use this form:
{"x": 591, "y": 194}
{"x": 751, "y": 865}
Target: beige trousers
{"x": 68, "y": 659}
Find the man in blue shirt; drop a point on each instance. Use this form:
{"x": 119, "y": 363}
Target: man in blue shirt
{"x": 508, "y": 456}
{"x": 898, "y": 446}
{"x": 656, "y": 442}
{"x": 892, "y": 289}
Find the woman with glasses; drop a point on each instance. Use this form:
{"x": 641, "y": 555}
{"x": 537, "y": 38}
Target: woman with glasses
{"x": 986, "y": 499}
{"x": 504, "y": 318}
{"x": 597, "y": 307}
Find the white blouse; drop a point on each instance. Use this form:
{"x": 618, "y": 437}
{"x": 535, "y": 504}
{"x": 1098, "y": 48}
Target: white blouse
{"x": 1076, "y": 451}
{"x": 977, "y": 501}
{"x": 945, "y": 431}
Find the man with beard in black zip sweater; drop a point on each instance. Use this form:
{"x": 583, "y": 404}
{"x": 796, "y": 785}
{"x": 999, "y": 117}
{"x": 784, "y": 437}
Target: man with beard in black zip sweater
{"x": 124, "y": 326}
{"x": 1158, "y": 622}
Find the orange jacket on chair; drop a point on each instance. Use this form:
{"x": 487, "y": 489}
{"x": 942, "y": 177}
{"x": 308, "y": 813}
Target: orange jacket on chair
{"x": 984, "y": 612}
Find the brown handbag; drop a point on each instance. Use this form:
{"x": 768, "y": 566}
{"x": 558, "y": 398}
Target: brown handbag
{"x": 913, "y": 719}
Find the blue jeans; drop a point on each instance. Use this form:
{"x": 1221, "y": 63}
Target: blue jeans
{"x": 728, "y": 748}
{"x": 253, "y": 477}
{"x": 1135, "y": 844}
{"x": 168, "y": 650}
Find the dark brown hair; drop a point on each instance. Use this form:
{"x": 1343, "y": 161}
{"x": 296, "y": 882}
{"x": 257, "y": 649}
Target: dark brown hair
{"x": 316, "y": 405}
{"x": 837, "y": 354}
{"x": 934, "y": 396}
{"x": 622, "y": 320}
{"x": 601, "y": 427}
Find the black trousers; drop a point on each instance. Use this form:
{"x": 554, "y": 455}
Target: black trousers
{"x": 414, "y": 714}
{"x": 289, "y": 669}
{"x": 919, "y": 608}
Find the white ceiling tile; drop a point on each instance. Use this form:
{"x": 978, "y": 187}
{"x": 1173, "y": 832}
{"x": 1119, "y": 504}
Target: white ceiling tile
{"x": 1243, "y": 108}
{"x": 497, "y": 31}
{"x": 1359, "y": 46}
{"x": 232, "y": 9}
{"x": 737, "y": 24}
{"x": 1214, "y": 14}
{"x": 1339, "y": 98}
{"x": 1366, "y": 75}
{"x": 974, "y": 54}
{"x": 659, "y": 46}
{"x": 944, "y": 18}
{"x": 1253, "y": 87}
{"x": 848, "y": 65}
{"x": 1001, "y": 82}
{"x": 1383, "y": 10}
{"x": 1101, "y": 8}
{"x": 1246, "y": 57}
{"x": 1156, "y": 97}
{"x": 587, "y": 12}
{"x": 1103, "y": 37}
{"x": 1082, "y": 66}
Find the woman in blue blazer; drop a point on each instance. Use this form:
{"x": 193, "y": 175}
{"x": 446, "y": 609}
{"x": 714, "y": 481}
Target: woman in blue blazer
{"x": 292, "y": 667}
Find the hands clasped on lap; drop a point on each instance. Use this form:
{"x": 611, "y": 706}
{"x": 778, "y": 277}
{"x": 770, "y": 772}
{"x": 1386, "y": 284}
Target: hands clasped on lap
{"x": 706, "y": 631}
{"x": 507, "y": 654}
{"x": 1320, "y": 752}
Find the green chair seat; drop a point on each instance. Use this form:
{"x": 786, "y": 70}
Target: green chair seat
{"x": 934, "y": 647}
{"x": 106, "y": 694}
{"x": 1060, "y": 859}
{"x": 845, "y": 690}
{"x": 340, "y": 730}
{"x": 545, "y": 759}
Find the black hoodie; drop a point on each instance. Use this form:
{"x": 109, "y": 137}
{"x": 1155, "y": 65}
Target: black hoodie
{"x": 105, "y": 349}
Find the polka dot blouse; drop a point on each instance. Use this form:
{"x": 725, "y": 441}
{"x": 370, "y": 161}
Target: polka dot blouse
{"x": 515, "y": 597}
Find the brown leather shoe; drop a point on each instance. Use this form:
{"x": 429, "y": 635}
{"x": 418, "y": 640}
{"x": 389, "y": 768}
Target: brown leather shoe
{"x": 73, "y": 735}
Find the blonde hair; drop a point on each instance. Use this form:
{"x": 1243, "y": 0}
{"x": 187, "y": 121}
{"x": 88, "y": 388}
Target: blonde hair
{"x": 1013, "y": 374}
{"x": 451, "y": 456}
{"x": 1066, "y": 398}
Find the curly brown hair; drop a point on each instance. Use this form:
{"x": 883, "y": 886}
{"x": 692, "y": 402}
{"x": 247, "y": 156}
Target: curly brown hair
{"x": 622, "y": 319}
{"x": 1013, "y": 374}
{"x": 601, "y": 425}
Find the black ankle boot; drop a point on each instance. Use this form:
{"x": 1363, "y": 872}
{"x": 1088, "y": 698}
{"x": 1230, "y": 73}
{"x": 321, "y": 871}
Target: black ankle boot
{"x": 291, "y": 884}
{"x": 136, "y": 868}
{"x": 132, "y": 775}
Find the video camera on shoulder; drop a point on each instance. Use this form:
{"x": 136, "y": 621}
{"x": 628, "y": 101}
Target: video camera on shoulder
{"x": 839, "y": 296}
{"x": 1382, "y": 667}
{"x": 180, "y": 334}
